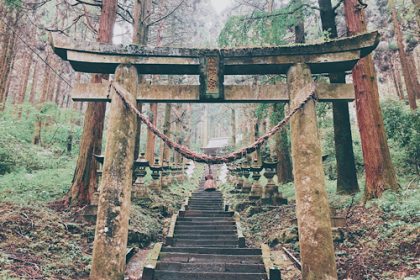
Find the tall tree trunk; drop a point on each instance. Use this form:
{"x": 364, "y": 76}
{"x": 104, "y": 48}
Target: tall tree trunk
{"x": 233, "y": 125}
{"x": 408, "y": 79}
{"x": 20, "y": 96}
{"x": 413, "y": 74}
{"x": 58, "y": 94}
{"x": 205, "y": 125}
{"x": 84, "y": 179}
{"x": 396, "y": 79}
{"x": 141, "y": 15}
{"x": 346, "y": 169}
{"x": 34, "y": 86}
{"x": 380, "y": 173}
{"x": 166, "y": 153}
{"x": 281, "y": 147}
{"x": 7, "y": 61}
{"x": 151, "y": 138}
{"x": 44, "y": 91}
{"x": 300, "y": 24}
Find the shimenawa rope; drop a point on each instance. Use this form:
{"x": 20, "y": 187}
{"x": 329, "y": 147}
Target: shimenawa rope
{"x": 199, "y": 157}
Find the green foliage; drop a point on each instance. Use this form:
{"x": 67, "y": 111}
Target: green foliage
{"x": 403, "y": 130}
{"x": 13, "y": 3}
{"x": 256, "y": 30}
{"x": 404, "y": 204}
{"x": 39, "y": 187}
{"x": 261, "y": 111}
{"x": 17, "y": 153}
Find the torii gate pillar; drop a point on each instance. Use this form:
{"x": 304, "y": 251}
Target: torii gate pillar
{"x": 110, "y": 245}
{"x": 312, "y": 208}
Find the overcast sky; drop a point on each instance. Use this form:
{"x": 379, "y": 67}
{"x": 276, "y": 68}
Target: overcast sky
{"x": 220, "y": 5}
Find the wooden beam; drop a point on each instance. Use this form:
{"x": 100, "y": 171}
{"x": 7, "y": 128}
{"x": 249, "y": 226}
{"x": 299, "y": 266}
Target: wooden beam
{"x": 94, "y": 92}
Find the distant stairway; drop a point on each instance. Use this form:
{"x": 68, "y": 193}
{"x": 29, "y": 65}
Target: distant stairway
{"x": 205, "y": 242}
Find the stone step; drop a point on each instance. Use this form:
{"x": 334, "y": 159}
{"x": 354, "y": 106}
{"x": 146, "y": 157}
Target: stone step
{"x": 205, "y": 243}
{"x": 205, "y": 227}
{"x": 204, "y": 197}
{"x": 213, "y": 267}
{"x": 175, "y": 275}
{"x": 205, "y": 219}
{"x": 218, "y": 251}
{"x": 206, "y": 237}
{"x": 205, "y": 202}
{"x": 202, "y": 192}
{"x": 205, "y": 223}
{"x": 209, "y": 258}
{"x": 206, "y": 232}
{"x": 205, "y": 208}
{"x": 203, "y": 213}
{"x": 216, "y": 206}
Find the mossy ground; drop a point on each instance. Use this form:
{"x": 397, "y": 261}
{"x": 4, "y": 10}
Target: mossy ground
{"x": 40, "y": 239}
{"x": 380, "y": 240}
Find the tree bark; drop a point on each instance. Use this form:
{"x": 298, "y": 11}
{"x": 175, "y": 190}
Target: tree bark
{"x": 84, "y": 179}
{"x": 20, "y": 97}
{"x": 36, "y": 139}
{"x": 233, "y": 125}
{"x": 380, "y": 173}
{"x": 312, "y": 207}
{"x": 300, "y": 24}
{"x": 141, "y": 15}
{"x": 166, "y": 153}
{"x": 7, "y": 61}
{"x": 408, "y": 79}
{"x": 281, "y": 147}
{"x": 413, "y": 74}
{"x": 396, "y": 79}
{"x": 44, "y": 91}
{"x": 151, "y": 138}
{"x": 346, "y": 169}
{"x": 111, "y": 234}
{"x": 34, "y": 85}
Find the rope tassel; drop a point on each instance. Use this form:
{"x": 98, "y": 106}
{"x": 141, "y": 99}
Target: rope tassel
{"x": 203, "y": 158}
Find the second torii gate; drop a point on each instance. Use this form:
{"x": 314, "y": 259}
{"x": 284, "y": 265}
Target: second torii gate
{"x": 299, "y": 62}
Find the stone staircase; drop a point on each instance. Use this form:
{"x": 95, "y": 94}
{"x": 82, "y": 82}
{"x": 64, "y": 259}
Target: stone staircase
{"x": 205, "y": 242}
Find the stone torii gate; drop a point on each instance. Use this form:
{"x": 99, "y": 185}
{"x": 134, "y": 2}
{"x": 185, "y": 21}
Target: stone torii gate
{"x": 299, "y": 62}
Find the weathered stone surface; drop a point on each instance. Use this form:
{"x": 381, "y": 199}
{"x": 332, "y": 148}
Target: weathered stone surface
{"x": 312, "y": 208}
{"x": 190, "y": 93}
{"x": 327, "y": 57}
{"x": 110, "y": 243}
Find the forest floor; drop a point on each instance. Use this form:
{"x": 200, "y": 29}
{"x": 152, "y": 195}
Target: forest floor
{"x": 40, "y": 239}
{"x": 380, "y": 240}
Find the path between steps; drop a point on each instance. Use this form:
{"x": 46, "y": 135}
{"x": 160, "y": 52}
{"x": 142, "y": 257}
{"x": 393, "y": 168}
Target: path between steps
{"x": 205, "y": 245}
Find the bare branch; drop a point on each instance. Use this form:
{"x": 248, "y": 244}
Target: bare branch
{"x": 283, "y": 13}
{"x": 168, "y": 14}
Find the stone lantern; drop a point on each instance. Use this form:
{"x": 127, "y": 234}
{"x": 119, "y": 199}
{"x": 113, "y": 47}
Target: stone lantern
{"x": 140, "y": 165}
{"x": 179, "y": 174}
{"x": 239, "y": 177}
{"x": 256, "y": 188}
{"x": 165, "y": 175}
{"x": 246, "y": 187}
{"x": 271, "y": 193}
{"x": 231, "y": 174}
{"x": 156, "y": 170}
